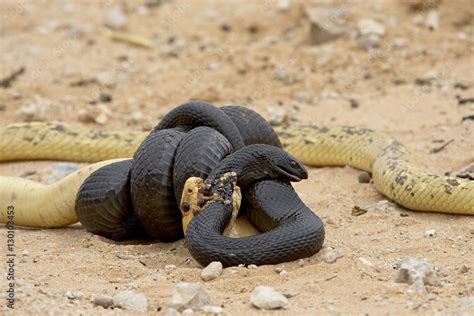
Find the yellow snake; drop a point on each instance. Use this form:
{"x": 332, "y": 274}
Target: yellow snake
{"x": 394, "y": 172}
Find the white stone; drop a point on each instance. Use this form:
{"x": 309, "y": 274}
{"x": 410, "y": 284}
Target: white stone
{"x": 430, "y": 233}
{"x": 265, "y": 297}
{"x": 187, "y": 311}
{"x": 252, "y": 266}
{"x": 73, "y": 295}
{"x": 432, "y": 20}
{"x": 284, "y": 5}
{"x": 130, "y": 300}
{"x": 212, "y": 309}
{"x": 115, "y": 19}
{"x": 368, "y": 26}
{"x": 385, "y": 206}
{"x": 189, "y": 295}
{"x": 171, "y": 312}
{"x": 169, "y": 268}
{"x": 212, "y": 271}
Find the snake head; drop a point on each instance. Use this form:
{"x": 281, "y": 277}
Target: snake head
{"x": 289, "y": 168}
{"x": 191, "y": 200}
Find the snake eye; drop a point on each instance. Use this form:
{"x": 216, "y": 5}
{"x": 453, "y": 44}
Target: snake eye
{"x": 185, "y": 207}
{"x": 293, "y": 164}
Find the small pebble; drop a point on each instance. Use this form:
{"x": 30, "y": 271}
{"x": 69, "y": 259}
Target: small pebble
{"x": 252, "y": 266}
{"x": 300, "y": 262}
{"x": 103, "y": 300}
{"x": 115, "y": 19}
{"x": 25, "y": 253}
{"x": 354, "y": 103}
{"x": 279, "y": 269}
{"x": 464, "y": 269}
{"x": 265, "y": 297}
{"x": 331, "y": 255}
{"x": 277, "y": 116}
{"x": 364, "y": 177}
{"x": 188, "y": 311}
{"x": 130, "y": 300}
{"x": 325, "y": 26}
{"x": 169, "y": 268}
{"x": 283, "y": 273}
{"x": 430, "y": 233}
{"x": 432, "y": 20}
{"x": 283, "y": 5}
{"x": 189, "y": 295}
{"x": 303, "y": 97}
{"x": 212, "y": 309}
{"x": 385, "y": 206}
{"x": 212, "y": 271}
{"x": 73, "y": 295}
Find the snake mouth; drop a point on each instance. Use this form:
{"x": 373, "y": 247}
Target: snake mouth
{"x": 291, "y": 176}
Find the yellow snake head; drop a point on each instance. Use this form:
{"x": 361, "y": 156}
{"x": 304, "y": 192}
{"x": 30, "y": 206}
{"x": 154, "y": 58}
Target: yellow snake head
{"x": 194, "y": 198}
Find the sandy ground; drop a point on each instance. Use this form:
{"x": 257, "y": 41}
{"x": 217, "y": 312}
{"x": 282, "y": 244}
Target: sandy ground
{"x": 251, "y": 53}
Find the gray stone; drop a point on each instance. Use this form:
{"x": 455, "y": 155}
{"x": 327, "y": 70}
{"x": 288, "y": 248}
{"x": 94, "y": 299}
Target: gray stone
{"x": 363, "y": 177}
{"x": 212, "y": 271}
{"x": 130, "y": 300}
{"x": 331, "y": 255}
{"x": 103, "y": 300}
{"x": 369, "y": 34}
{"x": 115, "y": 19}
{"x": 265, "y": 297}
{"x": 187, "y": 311}
{"x": 189, "y": 295}
{"x": 417, "y": 273}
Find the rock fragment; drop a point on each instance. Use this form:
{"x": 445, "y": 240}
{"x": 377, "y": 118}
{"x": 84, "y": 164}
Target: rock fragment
{"x": 327, "y": 23}
{"x": 277, "y": 116}
{"x": 169, "y": 268}
{"x": 432, "y": 20}
{"x": 330, "y": 255}
{"x": 363, "y": 177}
{"x": 130, "y": 300}
{"x": 190, "y": 295}
{"x": 212, "y": 309}
{"x": 74, "y": 295}
{"x": 283, "y": 5}
{"x": 94, "y": 114}
{"x": 105, "y": 301}
{"x": 212, "y": 271}
{"x": 385, "y": 206}
{"x": 430, "y": 233}
{"x": 370, "y": 33}
{"x": 417, "y": 273}
{"x": 265, "y": 297}
{"x": 115, "y": 19}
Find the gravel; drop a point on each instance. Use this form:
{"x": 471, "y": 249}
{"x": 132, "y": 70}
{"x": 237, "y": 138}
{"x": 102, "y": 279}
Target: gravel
{"x": 115, "y": 19}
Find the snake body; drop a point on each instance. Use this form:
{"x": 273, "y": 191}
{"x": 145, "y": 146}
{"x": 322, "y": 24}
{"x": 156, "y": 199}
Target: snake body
{"x": 394, "y": 172}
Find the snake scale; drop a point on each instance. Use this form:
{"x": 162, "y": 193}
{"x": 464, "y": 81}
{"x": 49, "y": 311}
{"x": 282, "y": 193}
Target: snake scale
{"x": 395, "y": 174}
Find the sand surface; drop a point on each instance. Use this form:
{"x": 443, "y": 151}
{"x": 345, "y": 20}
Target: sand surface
{"x": 251, "y": 53}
